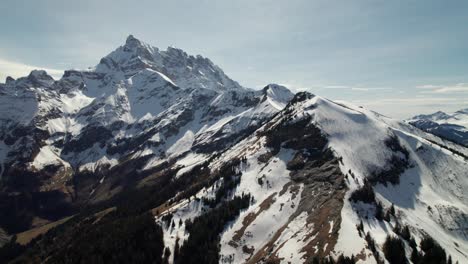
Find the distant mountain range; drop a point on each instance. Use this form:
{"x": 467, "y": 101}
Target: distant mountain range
{"x": 453, "y": 127}
{"x": 157, "y": 156}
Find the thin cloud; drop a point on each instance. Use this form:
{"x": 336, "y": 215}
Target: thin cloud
{"x": 360, "y": 89}
{"x": 355, "y": 88}
{"x": 428, "y": 86}
{"x": 16, "y": 70}
{"x": 406, "y": 107}
{"x": 438, "y": 89}
{"x": 336, "y": 87}
{"x": 294, "y": 86}
{"x": 421, "y": 101}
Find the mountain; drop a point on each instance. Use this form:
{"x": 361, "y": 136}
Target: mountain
{"x": 453, "y": 127}
{"x": 126, "y": 109}
{"x": 158, "y": 156}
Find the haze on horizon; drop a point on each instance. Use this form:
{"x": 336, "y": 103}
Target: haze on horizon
{"x": 399, "y": 58}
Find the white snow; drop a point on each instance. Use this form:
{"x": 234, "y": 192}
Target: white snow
{"x": 267, "y": 222}
{"x": 138, "y": 95}
{"x": 278, "y": 96}
{"x": 75, "y": 101}
{"x": 189, "y": 161}
{"x": 46, "y": 156}
{"x": 293, "y": 239}
{"x": 437, "y": 178}
{"x": 104, "y": 160}
{"x": 182, "y": 145}
{"x": 456, "y": 118}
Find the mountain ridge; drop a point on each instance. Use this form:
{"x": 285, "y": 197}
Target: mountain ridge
{"x": 453, "y": 127}
{"x": 246, "y": 176}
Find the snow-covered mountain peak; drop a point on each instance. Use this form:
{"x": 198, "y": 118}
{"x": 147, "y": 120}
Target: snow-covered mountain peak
{"x": 278, "y": 91}
{"x": 40, "y": 78}
{"x": 462, "y": 111}
{"x": 37, "y": 82}
{"x": 301, "y": 97}
{"x": 459, "y": 117}
{"x": 437, "y": 116}
{"x": 186, "y": 71}
{"x": 178, "y": 125}
{"x": 277, "y": 95}
{"x": 451, "y": 126}
{"x": 132, "y": 42}
{"x": 41, "y": 74}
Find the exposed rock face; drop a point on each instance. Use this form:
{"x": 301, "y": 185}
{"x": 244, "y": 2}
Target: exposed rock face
{"x": 315, "y": 171}
{"x": 9, "y": 79}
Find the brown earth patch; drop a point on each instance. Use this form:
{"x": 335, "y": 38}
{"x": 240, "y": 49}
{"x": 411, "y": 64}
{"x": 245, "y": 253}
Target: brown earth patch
{"x": 248, "y": 250}
{"x": 285, "y": 188}
{"x": 264, "y": 254}
{"x": 103, "y": 213}
{"x": 361, "y": 256}
{"x": 265, "y": 205}
{"x": 25, "y": 237}
{"x": 322, "y": 198}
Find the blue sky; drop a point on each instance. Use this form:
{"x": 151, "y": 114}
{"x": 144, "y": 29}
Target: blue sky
{"x": 399, "y": 58}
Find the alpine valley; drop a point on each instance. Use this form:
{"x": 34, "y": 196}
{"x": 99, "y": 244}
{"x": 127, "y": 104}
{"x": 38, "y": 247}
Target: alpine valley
{"x": 156, "y": 156}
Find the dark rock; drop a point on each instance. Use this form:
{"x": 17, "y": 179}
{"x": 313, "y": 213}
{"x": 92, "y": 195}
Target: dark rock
{"x": 9, "y": 79}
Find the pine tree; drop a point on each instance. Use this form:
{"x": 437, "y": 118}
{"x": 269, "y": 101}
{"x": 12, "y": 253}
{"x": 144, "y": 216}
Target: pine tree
{"x": 412, "y": 243}
{"x": 360, "y": 227}
{"x": 433, "y": 252}
{"x": 397, "y": 228}
{"x": 315, "y": 260}
{"x": 364, "y": 194}
{"x": 176, "y": 250}
{"x": 392, "y": 210}
{"x": 405, "y": 233}
{"x": 415, "y": 257}
{"x": 379, "y": 212}
{"x": 387, "y": 216}
{"x": 167, "y": 254}
{"x": 394, "y": 250}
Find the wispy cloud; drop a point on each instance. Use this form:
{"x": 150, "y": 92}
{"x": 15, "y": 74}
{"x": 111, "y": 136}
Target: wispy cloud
{"x": 407, "y": 107}
{"x": 336, "y": 87}
{"x": 455, "y": 88}
{"x": 296, "y": 87}
{"x": 421, "y": 101}
{"x": 15, "y": 70}
{"x": 355, "y": 88}
{"x": 428, "y": 86}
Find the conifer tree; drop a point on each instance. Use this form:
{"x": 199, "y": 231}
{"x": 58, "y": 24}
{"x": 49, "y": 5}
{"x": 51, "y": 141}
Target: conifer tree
{"x": 394, "y": 250}
{"x": 379, "y": 211}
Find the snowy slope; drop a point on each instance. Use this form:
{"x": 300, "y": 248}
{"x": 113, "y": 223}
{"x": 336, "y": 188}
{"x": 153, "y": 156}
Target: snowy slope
{"x": 436, "y": 179}
{"x": 139, "y": 103}
{"x": 279, "y": 225}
